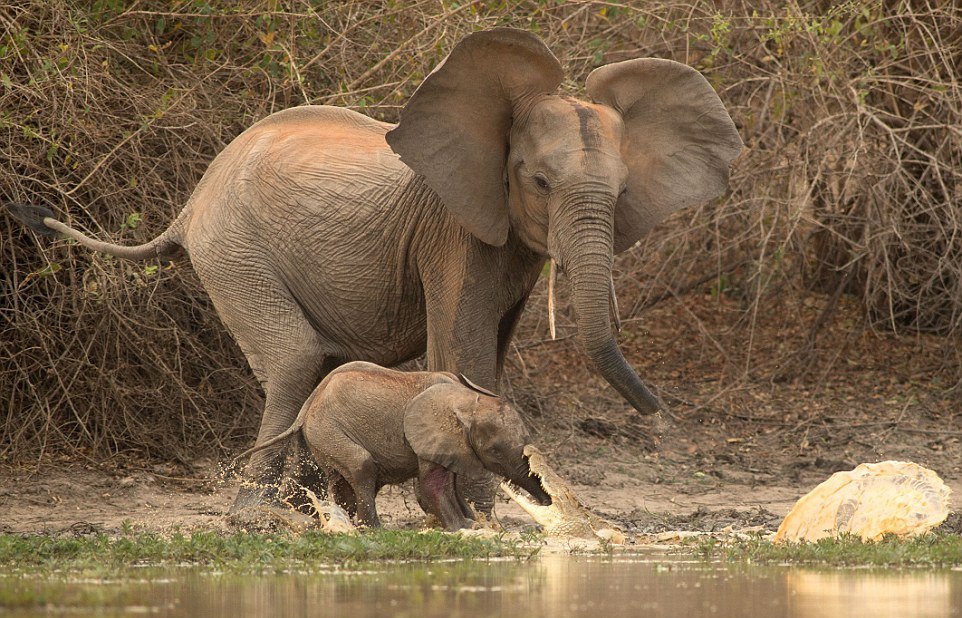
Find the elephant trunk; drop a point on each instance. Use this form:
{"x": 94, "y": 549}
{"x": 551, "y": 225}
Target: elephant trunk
{"x": 523, "y": 478}
{"x": 584, "y": 249}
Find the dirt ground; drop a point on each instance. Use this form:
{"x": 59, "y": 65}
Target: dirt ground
{"x": 736, "y": 448}
{"x": 83, "y": 499}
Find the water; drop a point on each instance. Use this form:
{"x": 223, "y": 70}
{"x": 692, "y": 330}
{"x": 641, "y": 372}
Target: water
{"x": 546, "y": 587}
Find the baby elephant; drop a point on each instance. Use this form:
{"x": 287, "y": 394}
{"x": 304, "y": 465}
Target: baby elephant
{"x": 368, "y": 426}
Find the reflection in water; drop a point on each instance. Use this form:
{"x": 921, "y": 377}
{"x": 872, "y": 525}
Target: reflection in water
{"x": 600, "y": 587}
{"x": 889, "y": 594}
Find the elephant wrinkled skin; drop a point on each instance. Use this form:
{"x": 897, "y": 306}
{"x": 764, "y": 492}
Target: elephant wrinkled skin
{"x": 323, "y": 236}
{"x": 368, "y": 426}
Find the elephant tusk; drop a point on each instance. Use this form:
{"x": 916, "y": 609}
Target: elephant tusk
{"x": 552, "y": 275}
{"x": 615, "y": 318}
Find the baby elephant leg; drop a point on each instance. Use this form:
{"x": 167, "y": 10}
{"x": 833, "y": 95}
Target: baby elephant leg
{"x": 352, "y": 473}
{"x": 437, "y": 495}
{"x": 363, "y": 480}
{"x": 341, "y": 492}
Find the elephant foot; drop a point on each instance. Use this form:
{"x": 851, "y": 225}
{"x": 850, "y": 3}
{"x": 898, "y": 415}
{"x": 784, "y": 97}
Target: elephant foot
{"x": 262, "y": 508}
{"x": 252, "y": 495}
{"x": 269, "y": 518}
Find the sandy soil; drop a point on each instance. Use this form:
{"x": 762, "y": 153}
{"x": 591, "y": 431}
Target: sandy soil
{"x": 81, "y": 500}
{"x": 77, "y": 499}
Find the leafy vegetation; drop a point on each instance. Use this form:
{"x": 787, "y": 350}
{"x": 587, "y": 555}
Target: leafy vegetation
{"x": 101, "y": 553}
{"x": 936, "y": 550}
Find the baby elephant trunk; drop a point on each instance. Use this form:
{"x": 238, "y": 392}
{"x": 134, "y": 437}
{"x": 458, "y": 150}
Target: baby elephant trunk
{"x": 523, "y": 478}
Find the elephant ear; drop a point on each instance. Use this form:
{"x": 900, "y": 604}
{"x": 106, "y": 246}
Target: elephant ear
{"x": 454, "y": 130}
{"x": 435, "y": 425}
{"x": 679, "y": 140}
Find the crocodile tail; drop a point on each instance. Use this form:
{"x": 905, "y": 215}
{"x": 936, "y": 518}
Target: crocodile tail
{"x": 43, "y": 221}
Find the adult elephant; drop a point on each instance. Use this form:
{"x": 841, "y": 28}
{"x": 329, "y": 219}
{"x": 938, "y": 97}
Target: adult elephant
{"x": 323, "y": 236}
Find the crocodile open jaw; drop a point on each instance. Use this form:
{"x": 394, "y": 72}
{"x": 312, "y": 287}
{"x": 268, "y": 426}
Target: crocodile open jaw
{"x": 566, "y": 516}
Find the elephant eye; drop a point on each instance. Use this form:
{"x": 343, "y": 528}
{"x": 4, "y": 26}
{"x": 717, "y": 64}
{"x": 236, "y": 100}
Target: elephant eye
{"x": 541, "y": 181}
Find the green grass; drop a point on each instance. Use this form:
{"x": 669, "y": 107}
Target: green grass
{"x": 929, "y": 551}
{"x": 240, "y": 551}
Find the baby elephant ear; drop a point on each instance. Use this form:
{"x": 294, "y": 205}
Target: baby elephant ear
{"x": 454, "y": 130}
{"x": 679, "y": 140}
{"x": 434, "y": 426}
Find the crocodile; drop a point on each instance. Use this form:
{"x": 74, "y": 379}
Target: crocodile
{"x": 566, "y": 516}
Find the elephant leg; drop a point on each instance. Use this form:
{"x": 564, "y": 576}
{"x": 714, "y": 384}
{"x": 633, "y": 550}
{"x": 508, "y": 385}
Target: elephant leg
{"x": 305, "y": 475}
{"x": 468, "y": 332}
{"x": 364, "y": 484}
{"x": 342, "y": 493}
{"x": 286, "y": 392}
{"x": 283, "y": 350}
{"x": 466, "y": 509}
{"x": 479, "y": 490}
{"x": 438, "y": 496}
{"x": 462, "y": 336}
{"x": 478, "y": 487}
{"x": 357, "y": 467}
{"x": 506, "y": 328}
{"x": 464, "y": 339}
{"x": 480, "y": 367}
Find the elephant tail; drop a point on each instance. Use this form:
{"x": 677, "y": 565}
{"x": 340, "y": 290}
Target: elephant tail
{"x": 43, "y": 222}
{"x": 287, "y": 433}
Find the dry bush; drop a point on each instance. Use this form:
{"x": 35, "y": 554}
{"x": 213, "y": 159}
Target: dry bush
{"x": 110, "y": 112}
{"x": 851, "y": 179}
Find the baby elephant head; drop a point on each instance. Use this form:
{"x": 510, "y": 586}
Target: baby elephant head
{"x": 465, "y": 430}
